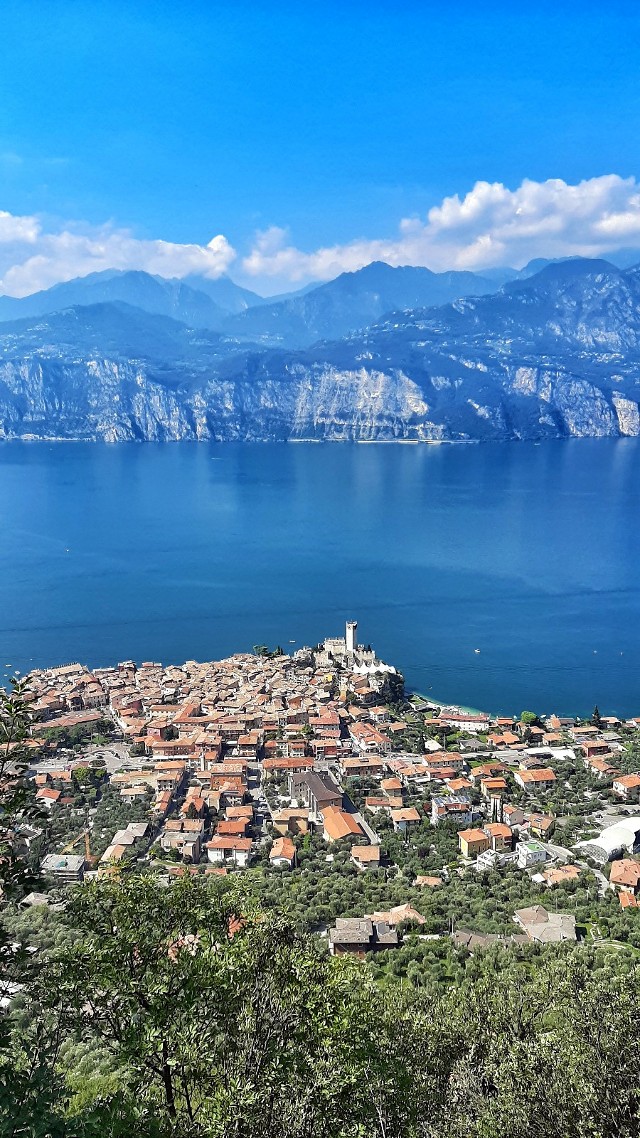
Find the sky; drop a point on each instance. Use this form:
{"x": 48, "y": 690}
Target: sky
{"x": 286, "y": 142}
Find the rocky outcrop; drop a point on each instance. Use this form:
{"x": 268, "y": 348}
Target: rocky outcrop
{"x": 556, "y": 355}
{"x": 116, "y": 402}
{"x": 93, "y": 399}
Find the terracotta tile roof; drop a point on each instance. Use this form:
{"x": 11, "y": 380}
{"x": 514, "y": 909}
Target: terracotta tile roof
{"x": 628, "y": 781}
{"x": 625, "y": 872}
{"x": 405, "y": 814}
{"x": 239, "y": 811}
{"x": 338, "y": 823}
{"x": 235, "y": 826}
{"x": 545, "y": 774}
{"x": 282, "y": 847}
{"x": 473, "y": 835}
{"x": 541, "y": 821}
{"x": 561, "y": 873}
{"x": 498, "y": 830}
{"x": 366, "y": 853}
{"x": 225, "y": 843}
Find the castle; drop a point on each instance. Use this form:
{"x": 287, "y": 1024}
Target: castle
{"x": 346, "y": 652}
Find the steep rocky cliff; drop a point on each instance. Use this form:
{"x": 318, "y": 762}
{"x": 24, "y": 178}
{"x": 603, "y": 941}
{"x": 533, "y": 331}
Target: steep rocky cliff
{"x": 552, "y": 356}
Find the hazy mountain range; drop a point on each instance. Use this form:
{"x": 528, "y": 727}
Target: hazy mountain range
{"x": 382, "y": 353}
{"x": 351, "y": 301}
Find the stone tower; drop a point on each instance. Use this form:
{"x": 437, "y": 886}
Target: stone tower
{"x": 351, "y": 638}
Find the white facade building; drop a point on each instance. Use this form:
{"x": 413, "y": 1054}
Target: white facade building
{"x": 530, "y": 853}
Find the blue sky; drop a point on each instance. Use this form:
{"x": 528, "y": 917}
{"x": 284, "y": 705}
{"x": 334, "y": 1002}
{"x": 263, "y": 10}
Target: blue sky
{"x": 331, "y": 122}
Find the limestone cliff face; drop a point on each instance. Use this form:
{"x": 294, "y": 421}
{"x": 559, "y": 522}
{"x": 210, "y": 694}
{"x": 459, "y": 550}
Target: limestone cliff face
{"x": 93, "y": 399}
{"x": 557, "y": 355}
{"x": 114, "y": 402}
{"x": 577, "y": 406}
{"x": 358, "y": 403}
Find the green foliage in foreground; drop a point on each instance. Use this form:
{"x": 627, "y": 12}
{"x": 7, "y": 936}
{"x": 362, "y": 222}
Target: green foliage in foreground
{"x": 150, "y": 1012}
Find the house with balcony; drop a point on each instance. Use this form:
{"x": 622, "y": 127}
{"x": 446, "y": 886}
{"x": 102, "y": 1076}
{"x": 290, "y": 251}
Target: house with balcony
{"x": 627, "y": 785}
{"x": 451, "y": 807}
{"x": 405, "y": 818}
{"x": 534, "y": 780}
{"x": 224, "y": 849}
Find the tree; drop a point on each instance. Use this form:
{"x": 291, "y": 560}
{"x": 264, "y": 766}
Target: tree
{"x": 86, "y": 776}
{"x": 181, "y": 1019}
{"x": 15, "y": 798}
{"x": 596, "y": 718}
{"x": 528, "y": 718}
{"x": 225, "y": 1026}
{"x": 23, "y": 1073}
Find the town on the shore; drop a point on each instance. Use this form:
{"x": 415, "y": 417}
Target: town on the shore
{"x": 238, "y": 765}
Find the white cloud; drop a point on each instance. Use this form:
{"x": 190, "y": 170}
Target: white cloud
{"x": 17, "y": 229}
{"x": 491, "y": 225}
{"x": 32, "y": 259}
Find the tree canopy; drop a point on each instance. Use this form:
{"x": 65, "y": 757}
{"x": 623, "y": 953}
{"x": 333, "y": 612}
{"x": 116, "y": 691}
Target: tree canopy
{"x": 183, "y": 1011}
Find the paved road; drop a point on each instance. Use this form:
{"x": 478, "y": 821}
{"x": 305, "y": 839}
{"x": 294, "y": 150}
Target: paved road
{"x": 260, "y": 805}
{"x": 116, "y": 755}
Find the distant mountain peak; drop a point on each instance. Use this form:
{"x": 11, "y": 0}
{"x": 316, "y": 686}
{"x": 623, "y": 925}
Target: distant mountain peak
{"x": 353, "y": 301}
{"x": 153, "y": 294}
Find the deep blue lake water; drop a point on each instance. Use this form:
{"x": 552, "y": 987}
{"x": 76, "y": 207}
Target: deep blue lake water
{"x": 530, "y": 553}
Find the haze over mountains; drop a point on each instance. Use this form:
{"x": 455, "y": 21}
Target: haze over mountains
{"x": 197, "y": 301}
{"x": 383, "y": 353}
{"x": 351, "y": 301}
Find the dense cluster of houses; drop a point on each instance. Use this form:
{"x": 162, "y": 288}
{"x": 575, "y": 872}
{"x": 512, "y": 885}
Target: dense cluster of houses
{"x": 210, "y": 738}
{"x": 209, "y": 735}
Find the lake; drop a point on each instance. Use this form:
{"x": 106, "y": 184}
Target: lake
{"x": 504, "y": 576}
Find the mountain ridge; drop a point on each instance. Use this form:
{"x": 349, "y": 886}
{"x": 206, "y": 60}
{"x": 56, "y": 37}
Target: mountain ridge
{"x": 553, "y": 355}
{"x": 172, "y": 298}
{"x": 327, "y": 310}
{"x": 350, "y": 302}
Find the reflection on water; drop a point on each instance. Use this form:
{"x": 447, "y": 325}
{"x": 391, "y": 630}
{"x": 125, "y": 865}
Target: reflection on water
{"x": 528, "y": 552}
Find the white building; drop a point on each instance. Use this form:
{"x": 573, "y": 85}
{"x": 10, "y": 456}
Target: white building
{"x": 224, "y": 849}
{"x": 491, "y": 859}
{"x": 66, "y": 868}
{"x": 530, "y": 853}
{"x": 623, "y": 835}
{"x": 464, "y": 721}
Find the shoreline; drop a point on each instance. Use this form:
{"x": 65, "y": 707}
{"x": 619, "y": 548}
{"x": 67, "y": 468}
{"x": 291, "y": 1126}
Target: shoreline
{"x": 462, "y": 708}
{"x": 29, "y": 438}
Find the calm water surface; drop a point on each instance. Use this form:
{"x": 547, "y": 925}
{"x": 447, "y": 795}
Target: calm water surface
{"x": 530, "y": 553}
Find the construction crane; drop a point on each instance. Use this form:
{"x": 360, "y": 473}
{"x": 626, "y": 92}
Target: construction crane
{"x": 89, "y": 858}
{"x": 69, "y": 846}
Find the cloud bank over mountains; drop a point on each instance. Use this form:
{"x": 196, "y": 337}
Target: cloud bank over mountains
{"x": 490, "y": 226}
{"x": 32, "y": 258}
